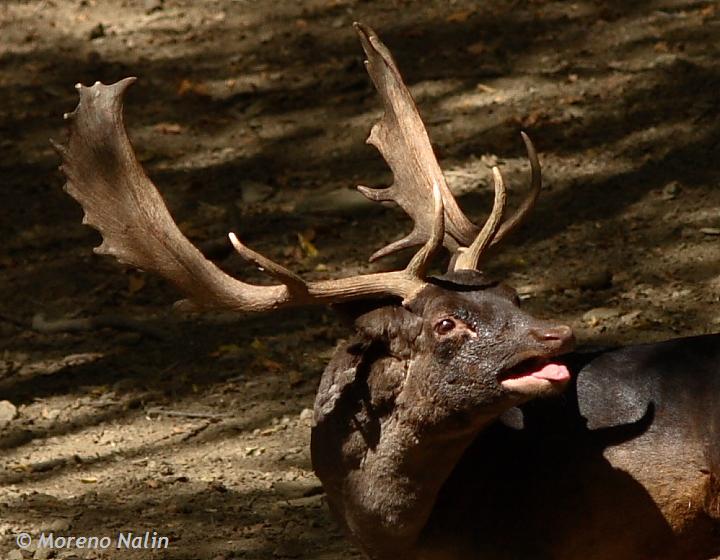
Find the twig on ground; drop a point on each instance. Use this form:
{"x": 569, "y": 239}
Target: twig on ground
{"x": 183, "y": 414}
{"x": 40, "y": 324}
{"x": 196, "y": 430}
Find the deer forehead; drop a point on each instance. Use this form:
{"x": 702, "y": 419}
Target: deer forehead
{"x": 473, "y": 307}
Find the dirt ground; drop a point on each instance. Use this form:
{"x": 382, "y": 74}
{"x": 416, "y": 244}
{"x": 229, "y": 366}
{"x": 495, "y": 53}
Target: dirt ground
{"x": 251, "y": 116}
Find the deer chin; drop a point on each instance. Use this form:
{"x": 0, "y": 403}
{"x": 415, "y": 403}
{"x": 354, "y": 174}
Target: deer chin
{"x": 533, "y": 377}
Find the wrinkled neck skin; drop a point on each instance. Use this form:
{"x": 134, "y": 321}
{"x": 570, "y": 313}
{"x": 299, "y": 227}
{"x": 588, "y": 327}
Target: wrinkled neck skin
{"x": 388, "y": 435}
{"x": 422, "y": 443}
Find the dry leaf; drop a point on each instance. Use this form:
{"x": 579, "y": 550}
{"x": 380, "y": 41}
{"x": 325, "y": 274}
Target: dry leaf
{"x": 708, "y": 11}
{"x": 254, "y": 451}
{"x": 295, "y": 378}
{"x": 100, "y": 390}
{"x": 460, "y": 16}
{"x": 168, "y": 128}
{"x": 187, "y": 87}
{"x": 272, "y": 365}
{"x": 477, "y": 48}
{"x": 305, "y": 241}
{"x": 258, "y": 345}
{"x": 486, "y": 88}
{"x": 533, "y": 118}
{"x": 136, "y": 282}
{"x": 226, "y": 350}
{"x": 571, "y": 99}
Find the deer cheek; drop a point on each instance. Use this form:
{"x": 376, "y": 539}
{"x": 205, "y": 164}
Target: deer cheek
{"x": 449, "y": 349}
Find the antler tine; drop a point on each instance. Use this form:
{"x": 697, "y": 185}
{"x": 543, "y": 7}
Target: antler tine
{"x": 294, "y": 283}
{"x": 419, "y": 263}
{"x": 522, "y": 212}
{"x": 469, "y": 257}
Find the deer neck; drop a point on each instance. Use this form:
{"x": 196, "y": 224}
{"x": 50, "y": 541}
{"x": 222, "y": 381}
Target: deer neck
{"x": 420, "y": 451}
{"x": 384, "y": 483}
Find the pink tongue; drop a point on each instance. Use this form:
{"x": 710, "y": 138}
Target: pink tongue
{"x": 552, "y": 372}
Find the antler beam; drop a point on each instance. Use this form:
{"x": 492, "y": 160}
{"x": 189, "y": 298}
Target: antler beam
{"x": 121, "y": 202}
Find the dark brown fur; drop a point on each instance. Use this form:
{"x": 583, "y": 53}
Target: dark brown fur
{"x": 399, "y": 404}
{"x": 416, "y": 465}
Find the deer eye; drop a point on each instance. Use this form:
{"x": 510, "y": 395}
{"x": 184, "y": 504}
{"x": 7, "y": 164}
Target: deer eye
{"x": 444, "y": 326}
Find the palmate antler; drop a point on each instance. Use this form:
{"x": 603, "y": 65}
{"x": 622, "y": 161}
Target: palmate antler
{"x": 121, "y": 202}
{"x": 401, "y": 138}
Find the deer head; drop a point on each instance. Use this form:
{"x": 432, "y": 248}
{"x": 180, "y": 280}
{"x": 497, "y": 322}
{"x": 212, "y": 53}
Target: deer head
{"x": 400, "y": 402}
{"x": 447, "y": 357}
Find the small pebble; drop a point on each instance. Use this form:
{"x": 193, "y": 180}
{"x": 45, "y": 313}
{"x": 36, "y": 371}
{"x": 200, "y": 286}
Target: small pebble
{"x": 152, "y": 6}
{"x": 97, "y": 31}
{"x": 670, "y": 191}
{"x": 600, "y": 314}
{"x": 8, "y": 412}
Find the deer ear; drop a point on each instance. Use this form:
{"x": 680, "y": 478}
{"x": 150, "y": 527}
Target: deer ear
{"x": 390, "y": 330}
{"x": 394, "y": 326}
{"x": 627, "y": 404}
{"x": 338, "y": 378}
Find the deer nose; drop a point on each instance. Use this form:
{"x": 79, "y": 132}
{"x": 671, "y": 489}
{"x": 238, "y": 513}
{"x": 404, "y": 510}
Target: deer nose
{"x": 559, "y": 336}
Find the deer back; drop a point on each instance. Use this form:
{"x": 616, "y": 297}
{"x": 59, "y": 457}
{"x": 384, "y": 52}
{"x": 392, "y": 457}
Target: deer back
{"x": 623, "y": 465}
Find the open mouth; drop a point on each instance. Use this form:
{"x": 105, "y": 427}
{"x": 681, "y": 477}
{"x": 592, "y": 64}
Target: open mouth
{"x": 534, "y": 371}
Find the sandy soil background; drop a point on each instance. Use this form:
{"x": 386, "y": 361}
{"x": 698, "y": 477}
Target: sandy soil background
{"x": 251, "y": 116}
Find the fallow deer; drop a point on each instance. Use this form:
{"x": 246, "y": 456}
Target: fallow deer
{"x": 429, "y": 435}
